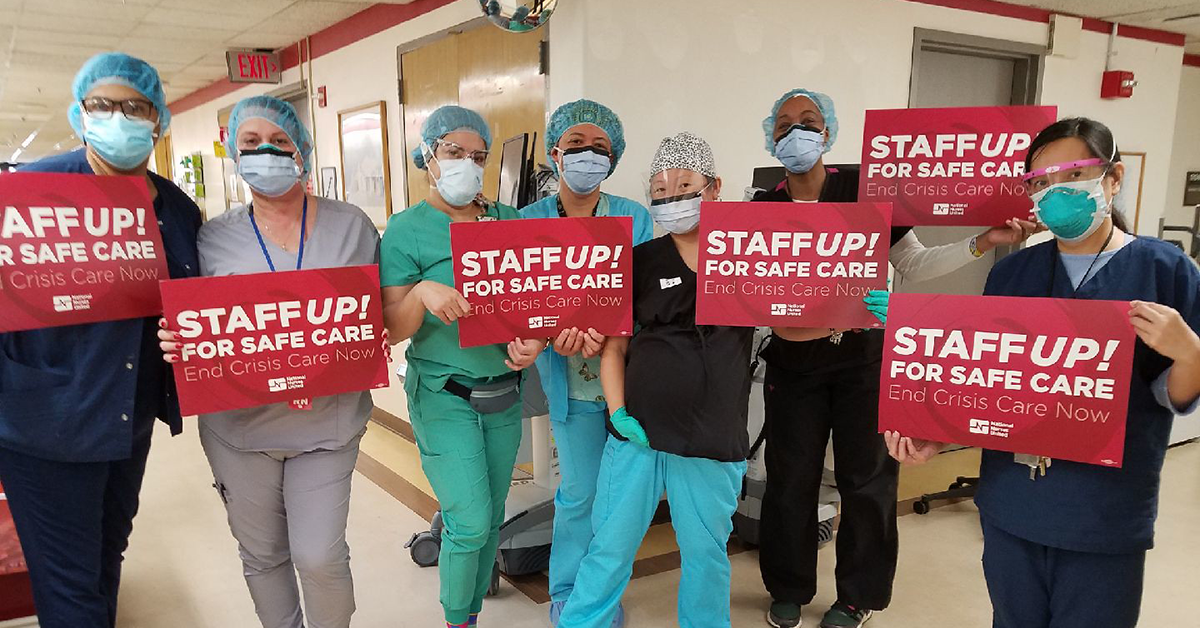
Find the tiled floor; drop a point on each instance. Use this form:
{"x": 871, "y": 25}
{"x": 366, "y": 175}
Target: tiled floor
{"x": 182, "y": 569}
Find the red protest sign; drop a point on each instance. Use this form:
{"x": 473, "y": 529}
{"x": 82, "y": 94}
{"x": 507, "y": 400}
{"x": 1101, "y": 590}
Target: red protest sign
{"x": 77, "y": 248}
{"x": 1048, "y": 377}
{"x": 533, "y": 278}
{"x": 957, "y": 166}
{"x": 252, "y": 340}
{"x": 791, "y": 264}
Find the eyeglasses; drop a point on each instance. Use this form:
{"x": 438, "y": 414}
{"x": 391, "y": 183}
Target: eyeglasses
{"x": 1082, "y": 170}
{"x": 454, "y": 151}
{"x": 104, "y": 108}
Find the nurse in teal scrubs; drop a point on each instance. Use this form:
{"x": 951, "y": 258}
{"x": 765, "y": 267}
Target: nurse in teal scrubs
{"x": 463, "y": 403}
{"x": 584, "y": 142}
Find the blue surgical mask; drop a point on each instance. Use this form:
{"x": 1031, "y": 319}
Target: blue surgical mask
{"x": 800, "y": 149}
{"x": 460, "y": 182}
{"x": 1074, "y": 210}
{"x": 269, "y": 170}
{"x": 122, "y": 142}
{"x": 678, "y": 214}
{"x": 584, "y": 169}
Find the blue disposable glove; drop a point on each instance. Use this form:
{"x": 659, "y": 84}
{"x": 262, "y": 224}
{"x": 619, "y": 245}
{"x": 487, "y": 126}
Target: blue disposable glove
{"x": 629, "y": 427}
{"x": 877, "y": 304}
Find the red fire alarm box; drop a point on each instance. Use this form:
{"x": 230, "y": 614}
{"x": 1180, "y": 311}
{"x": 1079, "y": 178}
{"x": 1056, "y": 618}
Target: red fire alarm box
{"x": 1117, "y": 84}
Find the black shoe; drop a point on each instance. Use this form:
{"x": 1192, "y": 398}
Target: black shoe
{"x": 845, "y": 616}
{"x": 784, "y": 614}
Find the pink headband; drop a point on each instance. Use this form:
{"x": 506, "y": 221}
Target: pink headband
{"x": 1064, "y": 166}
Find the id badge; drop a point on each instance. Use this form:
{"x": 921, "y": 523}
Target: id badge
{"x": 301, "y": 404}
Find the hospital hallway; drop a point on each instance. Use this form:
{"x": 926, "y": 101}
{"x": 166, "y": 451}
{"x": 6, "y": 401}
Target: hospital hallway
{"x": 182, "y": 568}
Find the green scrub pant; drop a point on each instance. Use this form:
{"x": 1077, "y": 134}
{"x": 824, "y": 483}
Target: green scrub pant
{"x": 468, "y": 458}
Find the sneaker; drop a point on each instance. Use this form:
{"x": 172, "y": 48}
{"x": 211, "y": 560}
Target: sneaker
{"x": 845, "y": 616}
{"x": 783, "y": 614}
{"x": 556, "y": 609}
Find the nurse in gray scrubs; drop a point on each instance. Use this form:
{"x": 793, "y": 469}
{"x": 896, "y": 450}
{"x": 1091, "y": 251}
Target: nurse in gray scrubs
{"x": 283, "y": 470}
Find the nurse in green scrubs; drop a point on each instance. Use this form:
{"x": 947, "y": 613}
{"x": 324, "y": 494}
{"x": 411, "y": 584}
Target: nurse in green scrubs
{"x": 463, "y": 403}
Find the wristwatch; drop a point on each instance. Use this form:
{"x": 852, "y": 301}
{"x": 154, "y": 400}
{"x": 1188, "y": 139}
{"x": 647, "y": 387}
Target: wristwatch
{"x": 975, "y": 252}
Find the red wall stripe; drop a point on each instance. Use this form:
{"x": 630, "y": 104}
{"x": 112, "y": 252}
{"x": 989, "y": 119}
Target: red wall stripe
{"x": 1192, "y": 60}
{"x": 359, "y": 26}
{"x": 1032, "y": 14}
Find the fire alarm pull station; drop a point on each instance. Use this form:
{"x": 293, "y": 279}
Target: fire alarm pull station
{"x": 1117, "y": 84}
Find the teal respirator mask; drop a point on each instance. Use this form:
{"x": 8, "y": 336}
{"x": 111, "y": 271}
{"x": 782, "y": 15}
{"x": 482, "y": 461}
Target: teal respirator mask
{"x": 1072, "y": 210}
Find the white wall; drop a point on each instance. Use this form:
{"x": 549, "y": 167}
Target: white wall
{"x": 355, "y": 75}
{"x": 664, "y": 70}
{"x": 1186, "y": 155}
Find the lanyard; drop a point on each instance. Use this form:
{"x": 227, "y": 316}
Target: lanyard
{"x": 262, "y": 243}
{"x": 1074, "y": 288}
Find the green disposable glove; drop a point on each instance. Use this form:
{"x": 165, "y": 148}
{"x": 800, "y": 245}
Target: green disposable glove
{"x": 629, "y": 427}
{"x": 877, "y": 304}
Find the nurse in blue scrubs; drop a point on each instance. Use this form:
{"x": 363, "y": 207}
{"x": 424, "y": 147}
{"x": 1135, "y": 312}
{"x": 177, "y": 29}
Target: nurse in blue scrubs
{"x": 78, "y": 403}
{"x": 1065, "y": 543}
{"x": 584, "y": 142}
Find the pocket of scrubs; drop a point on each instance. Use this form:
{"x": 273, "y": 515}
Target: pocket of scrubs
{"x": 495, "y": 396}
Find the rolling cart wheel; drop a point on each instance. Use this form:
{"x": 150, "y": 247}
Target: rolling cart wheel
{"x": 824, "y": 532}
{"x": 921, "y": 507}
{"x": 424, "y": 548}
{"x": 494, "y": 587}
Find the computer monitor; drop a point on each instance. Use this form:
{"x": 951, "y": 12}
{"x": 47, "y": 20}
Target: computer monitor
{"x": 514, "y": 168}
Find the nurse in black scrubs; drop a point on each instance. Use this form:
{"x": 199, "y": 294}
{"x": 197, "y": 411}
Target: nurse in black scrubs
{"x": 677, "y": 394}
{"x": 826, "y": 381}
{"x": 1064, "y": 545}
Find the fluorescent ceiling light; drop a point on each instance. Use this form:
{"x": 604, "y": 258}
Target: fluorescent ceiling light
{"x": 16, "y": 153}
{"x": 29, "y": 140}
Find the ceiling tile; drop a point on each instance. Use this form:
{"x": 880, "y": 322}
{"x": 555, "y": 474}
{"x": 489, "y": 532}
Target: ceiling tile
{"x": 60, "y": 24}
{"x": 259, "y": 39}
{"x": 122, "y": 11}
{"x": 212, "y": 36}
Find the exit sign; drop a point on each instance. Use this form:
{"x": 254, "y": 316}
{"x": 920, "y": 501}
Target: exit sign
{"x": 253, "y": 66}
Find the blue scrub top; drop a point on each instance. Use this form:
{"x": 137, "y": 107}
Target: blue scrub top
{"x": 79, "y": 393}
{"x": 551, "y": 366}
{"x": 1082, "y": 507}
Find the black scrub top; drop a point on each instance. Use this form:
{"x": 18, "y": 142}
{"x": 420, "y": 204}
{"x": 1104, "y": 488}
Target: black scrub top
{"x": 687, "y": 384}
{"x": 857, "y": 348}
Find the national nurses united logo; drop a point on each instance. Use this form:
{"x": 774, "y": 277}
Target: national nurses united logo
{"x": 984, "y": 427}
{"x": 949, "y": 209}
{"x": 72, "y": 303}
{"x": 291, "y": 382}
{"x": 787, "y": 309}
{"x": 539, "y": 322}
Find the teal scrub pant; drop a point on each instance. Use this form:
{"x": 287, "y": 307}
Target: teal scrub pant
{"x": 580, "y": 439}
{"x": 703, "y": 496}
{"x": 468, "y": 458}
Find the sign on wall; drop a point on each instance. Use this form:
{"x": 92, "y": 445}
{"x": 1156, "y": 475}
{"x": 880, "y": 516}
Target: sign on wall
{"x": 253, "y": 66}
{"x": 1191, "y": 192}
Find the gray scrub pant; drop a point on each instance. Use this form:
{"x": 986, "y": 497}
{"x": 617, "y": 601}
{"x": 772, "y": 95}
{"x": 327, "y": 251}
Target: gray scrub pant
{"x": 288, "y": 512}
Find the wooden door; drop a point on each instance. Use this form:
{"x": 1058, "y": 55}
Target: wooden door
{"x": 493, "y": 72}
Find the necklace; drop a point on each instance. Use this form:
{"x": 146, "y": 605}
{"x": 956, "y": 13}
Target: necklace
{"x": 263, "y": 245}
